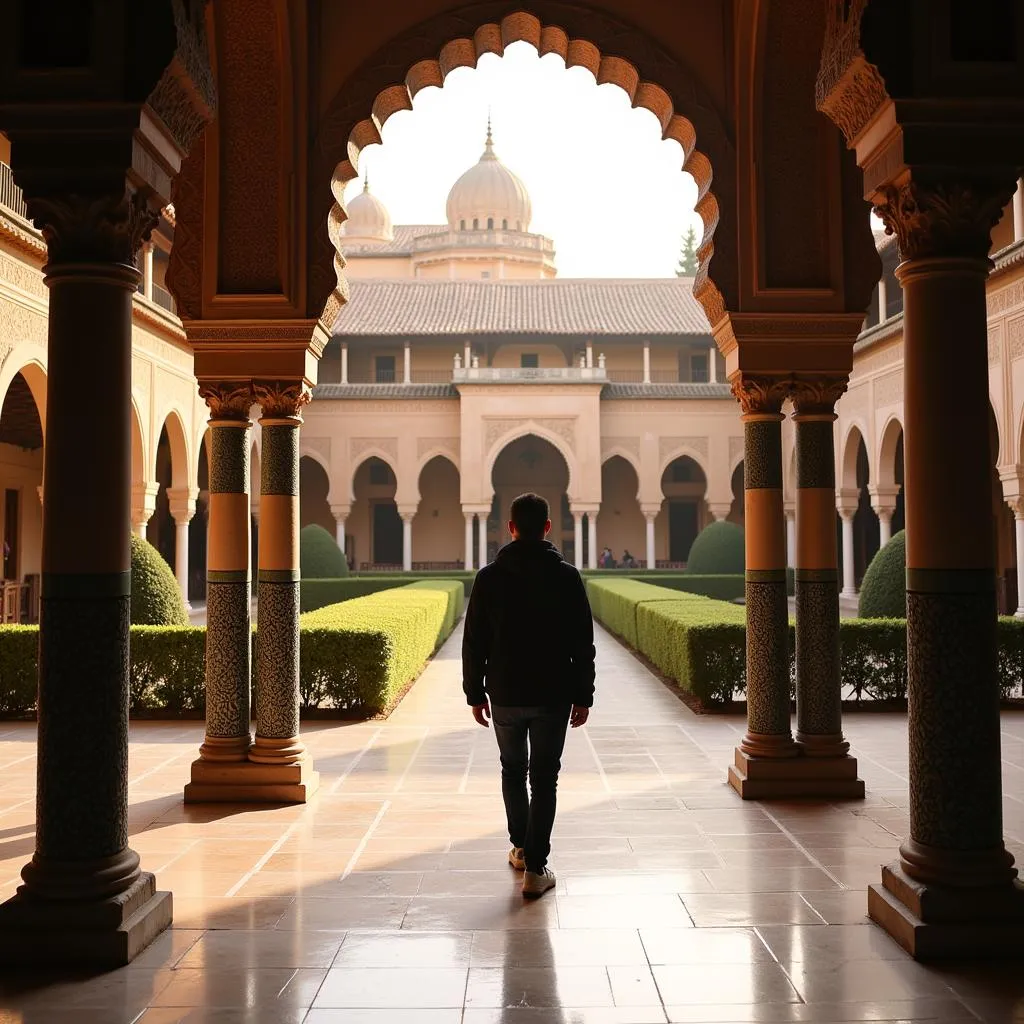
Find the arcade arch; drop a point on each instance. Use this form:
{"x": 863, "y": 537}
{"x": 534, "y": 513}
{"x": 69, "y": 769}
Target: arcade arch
{"x": 438, "y": 525}
{"x": 683, "y": 513}
{"x": 314, "y": 487}
{"x": 532, "y": 463}
{"x": 623, "y": 527}
{"x": 856, "y": 522}
{"x": 21, "y": 482}
{"x": 374, "y": 528}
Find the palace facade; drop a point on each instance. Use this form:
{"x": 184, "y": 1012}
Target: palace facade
{"x": 462, "y": 371}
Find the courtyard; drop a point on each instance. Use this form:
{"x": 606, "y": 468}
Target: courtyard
{"x": 386, "y": 899}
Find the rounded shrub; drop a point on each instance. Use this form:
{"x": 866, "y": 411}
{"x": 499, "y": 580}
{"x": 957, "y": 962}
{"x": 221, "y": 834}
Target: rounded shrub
{"x": 717, "y": 550}
{"x": 883, "y": 592}
{"x": 156, "y": 598}
{"x": 320, "y": 558}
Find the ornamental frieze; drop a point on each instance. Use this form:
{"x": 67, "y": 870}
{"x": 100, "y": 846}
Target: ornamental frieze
{"x": 451, "y": 445}
{"x": 564, "y": 427}
{"x": 889, "y": 389}
{"x": 358, "y": 445}
{"x": 626, "y": 444}
{"x": 668, "y": 445}
{"x": 1015, "y": 337}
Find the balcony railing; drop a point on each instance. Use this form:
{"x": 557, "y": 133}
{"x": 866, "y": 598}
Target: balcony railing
{"x": 10, "y": 194}
{"x": 162, "y": 297}
{"x": 486, "y": 237}
{"x": 531, "y": 374}
{"x": 656, "y": 377}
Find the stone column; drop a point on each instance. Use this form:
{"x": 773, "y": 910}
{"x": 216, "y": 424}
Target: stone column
{"x": 1017, "y": 505}
{"x": 883, "y": 501}
{"x": 577, "y": 539}
{"x": 143, "y": 506}
{"x": 84, "y": 898}
{"x": 768, "y": 738}
{"x": 719, "y": 510}
{"x": 482, "y": 539}
{"x": 344, "y": 362}
{"x": 407, "y": 518}
{"x": 647, "y": 361}
{"x": 281, "y": 769}
{"x": 147, "y": 270}
{"x": 650, "y": 514}
{"x": 183, "y": 508}
{"x": 340, "y": 513}
{"x": 469, "y": 541}
{"x": 952, "y": 890}
{"x": 883, "y": 300}
{"x": 591, "y": 540}
{"x": 847, "y": 514}
{"x": 1018, "y": 213}
{"x": 713, "y": 364}
{"x": 407, "y": 364}
{"x": 590, "y": 354}
{"x": 789, "y": 509}
{"x": 225, "y": 748}
{"x": 828, "y": 770}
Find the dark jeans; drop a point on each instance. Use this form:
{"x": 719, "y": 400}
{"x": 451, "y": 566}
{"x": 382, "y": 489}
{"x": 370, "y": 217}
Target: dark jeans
{"x": 530, "y": 741}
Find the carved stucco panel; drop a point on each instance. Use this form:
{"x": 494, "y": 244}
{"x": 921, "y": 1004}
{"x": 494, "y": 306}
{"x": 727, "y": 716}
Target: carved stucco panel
{"x": 358, "y": 445}
{"x": 22, "y": 275}
{"x": 450, "y": 445}
{"x": 735, "y": 449}
{"x": 994, "y": 343}
{"x": 667, "y": 445}
{"x": 626, "y": 444}
{"x": 878, "y": 360}
{"x": 1005, "y": 298}
{"x": 889, "y": 389}
{"x": 320, "y": 445}
{"x": 1015, "y": 337}
{"x": 19, "y": 324}
{"x": 141, "y": 372}
{"x": 563, "y": 427}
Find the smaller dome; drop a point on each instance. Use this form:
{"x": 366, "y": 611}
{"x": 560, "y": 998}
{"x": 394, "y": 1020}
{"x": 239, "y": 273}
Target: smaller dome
{"x": 368, "y": 217}
{"x": 489, "y": 195}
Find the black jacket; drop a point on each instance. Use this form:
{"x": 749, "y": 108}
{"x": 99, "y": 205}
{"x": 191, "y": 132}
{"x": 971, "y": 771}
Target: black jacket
{"x": 529, "y": 634}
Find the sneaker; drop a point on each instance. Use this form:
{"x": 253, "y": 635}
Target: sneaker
{"x": 516, "y": 858}
{"x": 537, "y": 883}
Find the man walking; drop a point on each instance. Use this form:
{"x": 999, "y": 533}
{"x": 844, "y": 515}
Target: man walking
{"x": 528, "y": 665}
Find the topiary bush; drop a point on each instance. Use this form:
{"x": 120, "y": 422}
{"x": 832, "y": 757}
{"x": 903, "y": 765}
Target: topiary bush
{"x": 156, "y": 598}
{"x": 883, "y": 591}
{"x": 718, "y": 550}
{"x": 320, "y": 557}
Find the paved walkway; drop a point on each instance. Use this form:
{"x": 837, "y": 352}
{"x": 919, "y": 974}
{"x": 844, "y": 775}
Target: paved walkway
{"x": 387, "y": 900}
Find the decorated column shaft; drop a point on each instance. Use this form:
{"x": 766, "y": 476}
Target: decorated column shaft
{"x": 818, "y": 686}
{"x": 956, "y": 828}
{"x": 277, "y": 637}
{"x": 228, "y": 576}
{"x": 768, "y": 702}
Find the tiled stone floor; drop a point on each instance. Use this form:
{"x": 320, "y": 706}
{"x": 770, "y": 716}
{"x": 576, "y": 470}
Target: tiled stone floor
{"x": 387, "y": 900}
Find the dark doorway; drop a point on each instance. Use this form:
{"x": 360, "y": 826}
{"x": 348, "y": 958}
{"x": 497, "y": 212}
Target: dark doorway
{"x": 682, "y": 529}
{"x": 11, "y": 539}
{"x": 387, "y": 533}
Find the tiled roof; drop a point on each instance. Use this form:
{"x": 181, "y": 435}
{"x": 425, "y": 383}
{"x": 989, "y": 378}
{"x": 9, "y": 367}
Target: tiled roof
{"x": 400, "y": 245}
{"x": 592, "y": 307}
{"x": 613, "y": 391}
{"x": 326, "y": 391}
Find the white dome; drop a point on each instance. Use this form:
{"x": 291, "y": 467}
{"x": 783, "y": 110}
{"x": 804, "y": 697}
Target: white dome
{"x": 489, "y": 194}
{"x": 368, "y": 217}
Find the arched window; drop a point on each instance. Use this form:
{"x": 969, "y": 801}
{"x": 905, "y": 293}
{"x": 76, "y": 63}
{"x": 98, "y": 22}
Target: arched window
{"x": 476, "y": 223}
{"x": 504, "y": 224}
{"x": 462, "y": 224}
{"x": 490, "y": 223}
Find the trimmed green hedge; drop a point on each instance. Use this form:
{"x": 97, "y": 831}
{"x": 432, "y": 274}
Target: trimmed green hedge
{"x": 717, "y": 549}
{"x": 319, "y": 554}
{"x": 155, "y": 595}
{"x": 883, "y": 591}
{"x": 318, "y": 593}
{"x": 359, "y": 654}
{"x": 724, "y": 587}
{"x": 701, "y": 643}
{"x": 354, "y": 656}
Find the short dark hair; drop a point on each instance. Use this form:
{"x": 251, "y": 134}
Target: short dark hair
{"x": 529, "y": 513}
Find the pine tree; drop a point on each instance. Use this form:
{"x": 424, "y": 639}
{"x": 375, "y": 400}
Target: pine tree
{"x": 688, "y": 257}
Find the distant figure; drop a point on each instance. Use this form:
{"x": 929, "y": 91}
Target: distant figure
{"x": 607, "y": 559}
{"x": 528, "y": 665}
{"x": 628, "y": 561}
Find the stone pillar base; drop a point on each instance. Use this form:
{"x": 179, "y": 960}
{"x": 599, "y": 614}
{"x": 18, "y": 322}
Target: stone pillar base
{"x": 102, "y": 933}
{"x": 781, "y": 778}
{"x": 934, "y": 922}
{"x": 248, "y": 782}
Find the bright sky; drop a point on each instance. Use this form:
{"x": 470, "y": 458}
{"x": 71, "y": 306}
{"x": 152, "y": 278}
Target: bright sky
{"x": 603, "y": 183}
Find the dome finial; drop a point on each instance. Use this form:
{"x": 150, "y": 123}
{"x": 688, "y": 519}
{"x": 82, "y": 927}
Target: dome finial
{"x": 366, "y": 180}
{"x": 490, "y": 141}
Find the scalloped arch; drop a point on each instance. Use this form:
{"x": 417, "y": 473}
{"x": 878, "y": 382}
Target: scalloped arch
{"x": 182, "y": 471}
{"x": 684, "y": 452}
{"x": 365, "y": 456}
{"x": 525, "y": 429}
{"x": 855, "y": 435}
{"x": 891, "y": 434}
{"x": 352, "y": 122}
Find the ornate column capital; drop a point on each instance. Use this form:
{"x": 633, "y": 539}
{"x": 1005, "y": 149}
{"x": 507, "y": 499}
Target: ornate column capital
{"x": 282, "y": 399}
{"x": 817, "y": 396}
{"x": 760, "y": 394}
{"x": 341, "y": 512}
{"x": 944, "y": 218}
{"x": 227, "y": 399}
{"x": 1016, "y": 506}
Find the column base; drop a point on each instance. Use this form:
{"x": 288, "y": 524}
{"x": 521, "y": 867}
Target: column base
{"x": 934, "y": 922}
{"x": 777, "y": 778}
{"x": 248, "y": 782}
{"x": 102, "y": 933}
